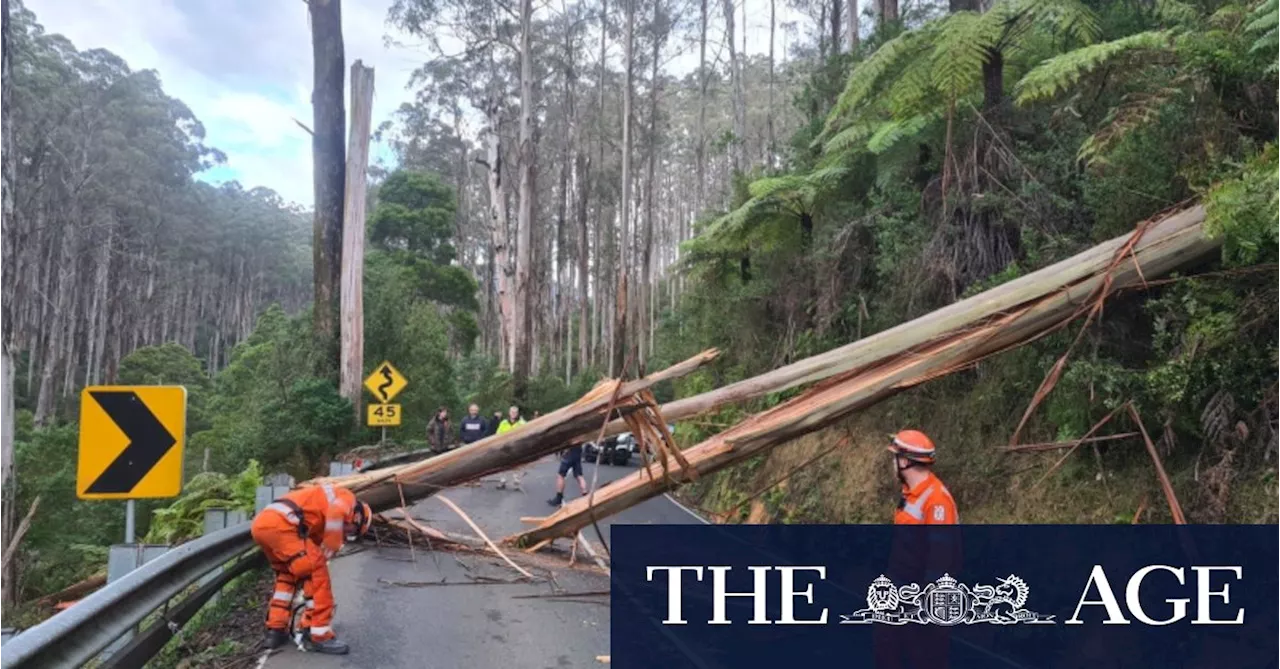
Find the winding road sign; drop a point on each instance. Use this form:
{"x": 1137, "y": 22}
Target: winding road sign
{"x": 131, "y": 440}
{"x": 385, "y": 382}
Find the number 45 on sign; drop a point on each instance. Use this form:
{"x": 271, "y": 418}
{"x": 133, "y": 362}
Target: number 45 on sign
{"x": 383, "y": 415}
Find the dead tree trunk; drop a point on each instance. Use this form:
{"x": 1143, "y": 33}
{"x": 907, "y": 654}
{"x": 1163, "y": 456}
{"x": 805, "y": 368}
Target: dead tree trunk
{"x": 329, "y": 127}
{"x": 352, "y": 307}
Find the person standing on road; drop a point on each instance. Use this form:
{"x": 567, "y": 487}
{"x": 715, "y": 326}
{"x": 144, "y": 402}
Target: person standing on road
{"x": 570, "y": 459}
{"x": 438, "y": 430}
{"x": 472, "y": 427}
{"x": 494, "y": 422}
{"x": 299, "y": 533}
{"x": 512, "y": 422}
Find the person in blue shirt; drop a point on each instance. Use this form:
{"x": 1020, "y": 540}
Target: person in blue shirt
{"x": 472, "y": 427}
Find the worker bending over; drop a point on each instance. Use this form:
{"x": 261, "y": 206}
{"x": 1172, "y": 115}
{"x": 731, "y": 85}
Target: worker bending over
{"x": 299, "y": 533}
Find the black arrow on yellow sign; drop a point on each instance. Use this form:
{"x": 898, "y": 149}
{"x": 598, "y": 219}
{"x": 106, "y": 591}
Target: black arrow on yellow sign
{"x": 148, "y": 441}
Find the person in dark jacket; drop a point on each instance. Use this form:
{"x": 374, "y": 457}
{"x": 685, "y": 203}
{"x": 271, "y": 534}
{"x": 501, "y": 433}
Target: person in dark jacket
{"x": 494, "y": 422}
{"x": 438, "y": 430}
{"x": 472, "y": 427}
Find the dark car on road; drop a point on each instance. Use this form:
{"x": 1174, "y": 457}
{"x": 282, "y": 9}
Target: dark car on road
{"x": 617, "y": 449}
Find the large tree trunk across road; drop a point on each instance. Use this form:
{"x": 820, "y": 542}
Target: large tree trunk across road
{"x": 933, "y": 345}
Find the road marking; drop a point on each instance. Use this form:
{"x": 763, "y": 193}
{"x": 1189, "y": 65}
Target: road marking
{"x": 686, "y": 509}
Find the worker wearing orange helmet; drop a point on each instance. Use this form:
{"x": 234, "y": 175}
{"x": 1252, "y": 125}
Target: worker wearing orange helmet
{"x": 918, "y": 555}
{"x": 925, "y": 500}
{"x": 299, "y": 533}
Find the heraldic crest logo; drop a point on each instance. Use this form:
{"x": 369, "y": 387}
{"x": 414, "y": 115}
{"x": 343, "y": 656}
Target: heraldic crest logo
{"x": 947, "y": 602}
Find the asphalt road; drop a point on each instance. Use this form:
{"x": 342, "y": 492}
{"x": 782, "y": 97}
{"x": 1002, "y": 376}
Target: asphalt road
{"x": 392, "y": 625}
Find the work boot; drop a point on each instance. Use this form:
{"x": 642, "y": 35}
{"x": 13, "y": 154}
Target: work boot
{"x": 274, "y": 639}
{"x": 330, "y": 646}
{"x": 557, "y": 500}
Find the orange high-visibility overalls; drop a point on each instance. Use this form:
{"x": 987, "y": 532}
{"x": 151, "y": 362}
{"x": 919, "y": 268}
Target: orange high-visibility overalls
{"x": 918, "y": 558}
{"x": 299, "y": 533}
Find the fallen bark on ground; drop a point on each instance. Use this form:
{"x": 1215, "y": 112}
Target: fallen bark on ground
{"x": 965, "y": 313}
{"x": 948, "y": 340}
{"x": 389, "y": 488}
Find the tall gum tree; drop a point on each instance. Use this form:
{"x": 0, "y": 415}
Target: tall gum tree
{"x": 328, "y": 148}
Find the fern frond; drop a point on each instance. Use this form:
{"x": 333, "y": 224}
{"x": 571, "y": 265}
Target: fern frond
{"x": 1265, "y": 19}
{"x": 1061, "y": 72}
{"x": 850, "y": 140}
{"x": 1073, "y": 18}
{"x": 895, "y": 131}
{"x": 913, "y": 91}
{"x": 826, "y": 178}
{"x": 864, "y": 78}
{"x": 963, "y": 44}
{"x": 762, "y": 188}
{"x": 1176, "y": 12}
{"x": 1135, "y": 110}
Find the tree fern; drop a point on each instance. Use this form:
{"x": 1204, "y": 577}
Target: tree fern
{"x": 963, "y": 44}
{"x": 1263, "y": 23}
{"x": 1057, "y": 74}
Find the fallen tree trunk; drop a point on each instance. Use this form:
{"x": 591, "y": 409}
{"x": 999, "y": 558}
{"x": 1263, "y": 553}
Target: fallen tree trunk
{"x": 946, "y": 341}
{"x": 74, "y": 591}
{"x": 906, "y": 336}
{"x": 396, "y": 486}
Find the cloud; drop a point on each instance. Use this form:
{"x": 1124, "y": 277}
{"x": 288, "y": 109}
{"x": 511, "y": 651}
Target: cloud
{"x": 243, "y": 67}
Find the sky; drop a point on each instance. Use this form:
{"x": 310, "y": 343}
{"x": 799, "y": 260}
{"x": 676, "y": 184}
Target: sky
{"x": 244, "y": 69}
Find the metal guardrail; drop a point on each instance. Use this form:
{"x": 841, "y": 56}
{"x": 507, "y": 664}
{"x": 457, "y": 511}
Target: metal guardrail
{"x": 78, "y": 634}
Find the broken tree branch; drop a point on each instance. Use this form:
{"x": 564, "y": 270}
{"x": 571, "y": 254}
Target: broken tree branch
{"x": 456, "y": 509}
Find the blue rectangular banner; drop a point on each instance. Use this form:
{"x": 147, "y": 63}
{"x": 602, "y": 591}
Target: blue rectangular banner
{"x": 933, "y": 597}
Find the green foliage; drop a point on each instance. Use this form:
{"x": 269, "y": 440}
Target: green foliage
{"x": 1062, "y": 73}
{"x": 183, "y": 520}
{"x": 415, "y": 212}
{"x": 68, "y": 536}
{"x": 170, "y": 364}
{"x": 1243, "y": 211}
{"x": 267, "y": 407}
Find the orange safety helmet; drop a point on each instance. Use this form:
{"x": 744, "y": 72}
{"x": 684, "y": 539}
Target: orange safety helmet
{"x": 359, "y": 520}
{"x": 913, "y": 445}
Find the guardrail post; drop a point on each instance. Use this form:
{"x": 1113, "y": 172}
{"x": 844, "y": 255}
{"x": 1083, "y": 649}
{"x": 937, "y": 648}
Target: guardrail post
{"x": 122, "y": 559}
{"x": 341, "y": 468}
{"x": 214, "y": 520}
{"x": 275, "y": 486}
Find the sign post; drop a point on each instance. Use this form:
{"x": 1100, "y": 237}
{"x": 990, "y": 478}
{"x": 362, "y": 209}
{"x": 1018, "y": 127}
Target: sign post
{"x": 130, "y": 447}
{"x": 385, "y": 383}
